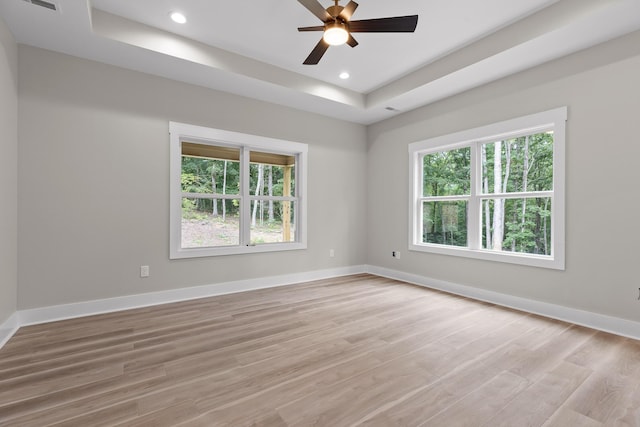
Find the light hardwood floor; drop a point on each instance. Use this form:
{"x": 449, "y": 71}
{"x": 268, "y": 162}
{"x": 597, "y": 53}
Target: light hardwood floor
{"x": 354, "y": 351}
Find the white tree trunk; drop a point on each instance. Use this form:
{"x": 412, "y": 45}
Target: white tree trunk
{"x": 259, "y": 186}
{"x": 270, "y": 189}
{"x": 214, "y": 211}
{"x": 224, "y": 191}
{"x": 487, "y": 202}
{"x": 498, "y": 204}
{"x": 525, "y": 179}
{"x": 544, "y": 227}
{"x": 507, "y": 166}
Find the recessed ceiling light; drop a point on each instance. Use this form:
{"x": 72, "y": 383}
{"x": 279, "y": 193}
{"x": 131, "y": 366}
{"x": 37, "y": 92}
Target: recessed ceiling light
{"x": 344, "y": 75}
{"x": 178, "y": 17}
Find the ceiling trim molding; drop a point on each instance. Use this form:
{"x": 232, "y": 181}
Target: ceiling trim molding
{"x": 136, "y": 34}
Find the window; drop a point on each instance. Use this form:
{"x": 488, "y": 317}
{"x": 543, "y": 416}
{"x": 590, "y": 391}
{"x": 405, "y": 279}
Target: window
{"x": 233, "y": 193}
{"x": 494, "y": 192}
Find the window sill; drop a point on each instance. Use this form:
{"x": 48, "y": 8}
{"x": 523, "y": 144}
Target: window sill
{"x": 235, "y": 250}
{"x": 542, "y": 261}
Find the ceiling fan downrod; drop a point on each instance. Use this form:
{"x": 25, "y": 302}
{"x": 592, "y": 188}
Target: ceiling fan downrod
{"x": 335, "y": 10}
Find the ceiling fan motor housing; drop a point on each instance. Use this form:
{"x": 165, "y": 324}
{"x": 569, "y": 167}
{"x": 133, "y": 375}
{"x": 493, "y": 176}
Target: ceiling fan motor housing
{"x": 334, "y": 11}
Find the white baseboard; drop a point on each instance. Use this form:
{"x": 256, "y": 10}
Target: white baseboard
{"x": 8, "y": 328}
{"x": 614, "y": 325}
{"x": 33, "y": 316}
{"x": 108, "y": 305}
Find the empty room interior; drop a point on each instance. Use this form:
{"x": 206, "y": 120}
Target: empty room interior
{"x": 319, "y": 213}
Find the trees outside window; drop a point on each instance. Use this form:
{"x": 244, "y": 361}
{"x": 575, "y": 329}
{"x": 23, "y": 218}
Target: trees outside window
{"x": 495, "y": 192}
{"x": 446, "y": 190}
{"x": 234, "y": 193}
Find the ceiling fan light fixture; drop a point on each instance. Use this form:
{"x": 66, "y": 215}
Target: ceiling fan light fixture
{"x": 335, "y": 34}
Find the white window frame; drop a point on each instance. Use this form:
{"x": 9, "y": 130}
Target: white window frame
{"x": 179, "y": 132}
{"x": 552, "y": 120}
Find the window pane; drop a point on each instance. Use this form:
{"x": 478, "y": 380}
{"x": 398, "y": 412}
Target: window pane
{"x": 518, "y": 164}
{"x": 517, "y": 225}
{"x": 447, "y": 173}
{"x": 272, "y": 180}
{"x": 272, "y": 222}
{"x": 210, "y": 223}
{"x": 211, "y": 176}
{"x": 445, "y": 223}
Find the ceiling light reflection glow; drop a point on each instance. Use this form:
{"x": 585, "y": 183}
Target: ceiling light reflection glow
{"x": 178, "y": 17}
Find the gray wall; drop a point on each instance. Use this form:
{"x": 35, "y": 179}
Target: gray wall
{"x": 94, "y": 182}
{"x": 602, "y": 91}
{"x": 8, "y": 173}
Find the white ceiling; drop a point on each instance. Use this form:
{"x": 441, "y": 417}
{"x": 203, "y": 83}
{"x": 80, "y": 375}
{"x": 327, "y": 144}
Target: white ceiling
{"x": 252, "y": 48}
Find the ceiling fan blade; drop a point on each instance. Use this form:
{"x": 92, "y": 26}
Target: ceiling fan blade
{"x": 317, "y": 52}
{"x": 316, "y": 8}
{"x": 396, "y": 24}
{"x": 316, "y": 28}
{"x": 348, "y": 10}
{"x": 351, "y": 41}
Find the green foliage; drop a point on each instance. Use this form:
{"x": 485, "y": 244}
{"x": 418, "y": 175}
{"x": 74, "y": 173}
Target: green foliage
{"x": 189, "y": 210}
{"x": 447, "y": 173}
{"x": 213, "y": 176}
{"x": 445, "y": 223}
{"x": 538, "y": 149}
{"x": 527, "y": 234}
{"x": 277, "y": 179}
{"x": 525, "y": 165}
{"x": 199, "y": 176}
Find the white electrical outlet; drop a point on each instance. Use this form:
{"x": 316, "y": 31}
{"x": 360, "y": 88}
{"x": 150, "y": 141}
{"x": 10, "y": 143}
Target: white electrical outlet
{"x": 395, "y": 254}
{"x": 144, "y": 271}
{"x": 332, "y": 253}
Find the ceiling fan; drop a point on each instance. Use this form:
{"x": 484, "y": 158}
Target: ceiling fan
{"x": 338, "y": 26}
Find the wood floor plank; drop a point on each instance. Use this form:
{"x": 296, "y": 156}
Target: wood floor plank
{"x": 600, "y": 348}
{"x": 108, "y": 416}
{"x": 273, "y": 372}
{"x": 165, "y": 417}
{"x": 80, "y": 399}
{"x": 542, "y": 399}
{"x": 259, "y": 407}
{"x": 536, "y": 362}
{"x": 357, "y": 397}
{"x": 610, "y": 394}
{"x": 565, "y": 417}
{"x": 481, "y": 404}
{"x": 455, "y": 383}
{"x": 358, "y": 350}
{"x": 247, "y": 380}
{"x": 21, "y": 388}
{"x": 464, "y": 371}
